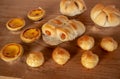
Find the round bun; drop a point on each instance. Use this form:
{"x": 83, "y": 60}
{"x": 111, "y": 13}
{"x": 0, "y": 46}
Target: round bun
{"x": 109, "y": 44}
{"x": 85, "y": 42}
{"x": 72, "y": 7}
{"x": 11, "y": 52}
{"x": 15, "y": 24}
{"x": 105, "y": 16}
{"x": 36, "y": 14}
{"x": 89, "y": 60}
{"x": 30, "y": 35}
{"x": 60, "y": 55}
{"x": 35, "y": 59}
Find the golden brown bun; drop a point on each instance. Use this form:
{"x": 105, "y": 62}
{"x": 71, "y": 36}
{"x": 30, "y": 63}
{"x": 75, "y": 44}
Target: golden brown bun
{"x": 109, "y": 44}
{"x": 36, "y": 14}
{"x": 60, "y": 55}
{"x": 72, "y": 7}
{"x": 61, "y": 29}
{"x": 89, "y": 60}
{"x": 11, "y": 52}
{"x": 15, "y": 24}
{"x": 105, "y": 16}
{"x": 30, "y": 35}
{"x": 85, "y": 42}
{"x": 35, "y": 59}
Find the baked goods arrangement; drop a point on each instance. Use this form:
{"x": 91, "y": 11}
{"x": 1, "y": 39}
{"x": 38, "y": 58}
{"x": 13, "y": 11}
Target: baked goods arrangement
{"x": 62, "y": 29}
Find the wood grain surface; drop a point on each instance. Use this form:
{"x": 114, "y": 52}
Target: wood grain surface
{"x": 108, "y": 67}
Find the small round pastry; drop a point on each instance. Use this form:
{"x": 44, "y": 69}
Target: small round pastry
{"x": 105, "y": 16}
{"x": 35, "y": 59}
{"x": 36, "y": 14}
{"x": 72, "y": 7}
{"x": 86, "y": 42}
{"x": 89, "y": 60}
{"x": 30, "y": 35}
{"x": 11, "y": 52}
{"x": 109, "y": 44}
{"x": 15, "y": 24}
{"x": 60, "y": 55}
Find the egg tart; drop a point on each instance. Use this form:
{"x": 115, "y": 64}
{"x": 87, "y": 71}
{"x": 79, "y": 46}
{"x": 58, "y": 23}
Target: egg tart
{"x": 36, "y": 14}
{"x": 30, "y": 35}
{"x": 15, "y": 24}
{"x": 11, "y": 52}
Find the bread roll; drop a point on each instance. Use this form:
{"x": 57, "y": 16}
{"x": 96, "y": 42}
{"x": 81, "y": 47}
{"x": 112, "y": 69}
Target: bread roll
{"x": 72, "y": 7}
{"x": 11, "y": 52}
{"x": 60, "y": 55}
{"x": 30, "y": 35}
{"x": 85, "y": 42}
{"x": 105, "y": 16}
{"x": 36, "y": 14}
{"x": 89, "y": 60}
{"x": 15, "y": 24}
{"x": 109, "y": 44}
{"x": 35, "y": 59}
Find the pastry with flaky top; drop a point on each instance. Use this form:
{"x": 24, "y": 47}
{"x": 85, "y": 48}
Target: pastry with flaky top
{"x": 105, "y": 16}
{"x": 109, "y": 44}
{"x": 35, "y": 59}
{"x": 36, "y": 14}
{"x": 60, "y": 55}
{"x": 30, "y": 35}
{"x": 15, "y": 24}
{"x": 11, "y": 52}
{"x": 72, "y": 7}
{"x": 89, "y": 60}
{"x": 86, "y": 42}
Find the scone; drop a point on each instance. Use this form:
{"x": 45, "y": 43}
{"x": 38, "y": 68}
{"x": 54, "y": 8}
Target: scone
{"x": 105, "y": 16}
{"x": 35, "y": 59}
{"x": 36, "y": 14}
{"x": 15, "y": 24}
{"x": 109, "y": 44}
{"x": 72, "y": 7}
{"x": 89, "y": 60}
{"x": 11, "y": 52}
{"x": 60, "y": 55}
{"x": 86, "y": 42}
{"x": 30, "y": 35}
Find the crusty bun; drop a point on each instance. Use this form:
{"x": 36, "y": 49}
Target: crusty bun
{"x": 15, "y": 24}
{"x": 89, "y": 60}
{"x": 86, "y": 42}
{"x": 36, "y": 14}
{"x": 109, "y": 44}
{"x": 72, "y": 7}
{"x": 35, "y": 59}
{"x": 11, "y": 52}
{"x": 105, "y": 16}
{"x": 30, "y": 35}
{"x": 60, "y": 55}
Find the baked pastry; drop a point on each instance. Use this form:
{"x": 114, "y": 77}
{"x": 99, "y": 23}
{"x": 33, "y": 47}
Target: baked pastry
{"x": 89, "y": 60}
{"x": 60, "y": 55}
{"x": 105, "y": 16}
{"x": 109, "y": 44}
{"x": 35, "y": 59}
{"x": 15, "y": 24}
{"x": 36, "y": 14}
{"x": 72, "y": 7}
{"x": 11, "y": 52}
{"x": 30, "y": 35}
{"x": 86, "y": 42}
{"x": 61, "y": 29}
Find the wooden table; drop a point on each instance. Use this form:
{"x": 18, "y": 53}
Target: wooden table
{"x": 108, "y": 67}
